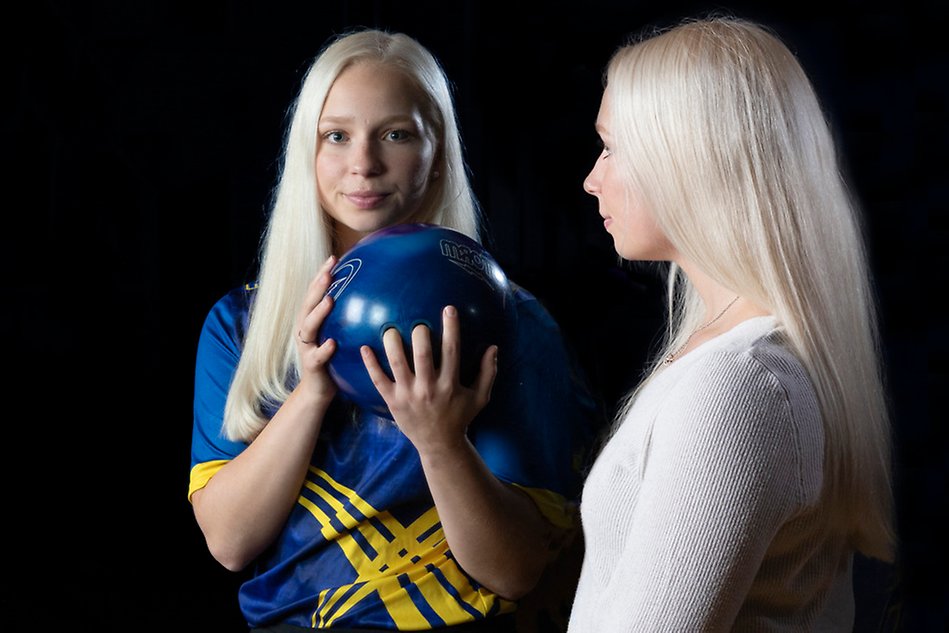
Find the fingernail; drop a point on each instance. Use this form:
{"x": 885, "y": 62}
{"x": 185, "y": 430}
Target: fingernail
{"x": 450, "y": 311}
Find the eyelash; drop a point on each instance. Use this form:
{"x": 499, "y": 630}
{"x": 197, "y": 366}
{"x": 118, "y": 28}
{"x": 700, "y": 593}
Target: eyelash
{"x": 605, "y": 151}
{"x": 403, "y": 135}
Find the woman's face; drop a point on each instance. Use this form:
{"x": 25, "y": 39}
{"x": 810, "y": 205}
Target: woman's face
{"x": 374, "y": 153}
{"x": 626, "y": 216}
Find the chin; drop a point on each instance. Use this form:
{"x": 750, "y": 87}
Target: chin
{"x": 366, "y": 225}
{"x": 364, "y": 222}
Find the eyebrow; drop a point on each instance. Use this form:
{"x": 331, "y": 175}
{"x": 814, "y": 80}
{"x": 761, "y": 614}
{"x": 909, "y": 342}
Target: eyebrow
{"x": 397, "y": 118}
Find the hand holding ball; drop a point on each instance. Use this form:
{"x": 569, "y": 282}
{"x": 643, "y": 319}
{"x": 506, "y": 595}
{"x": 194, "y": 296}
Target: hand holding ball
{"x": 403, "y": 276}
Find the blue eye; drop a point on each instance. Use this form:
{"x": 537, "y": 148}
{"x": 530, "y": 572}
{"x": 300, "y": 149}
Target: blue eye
{"x": 397, "y": 135}
{"x": 335, "y": 136}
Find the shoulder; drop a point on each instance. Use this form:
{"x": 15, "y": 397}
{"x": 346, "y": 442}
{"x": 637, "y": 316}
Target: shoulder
{"x": 745, "y": 385}
{"x": 226, "y": 323}
{"x": 747, "y": 402}
{"x": 531, "y": 312}
{"x": 237, "y": 301}
{"x": 534, "y": 335}
{"x": 230, "y": 312}
{"x": 752, "y": 358}
{"x": 539, "y": 368}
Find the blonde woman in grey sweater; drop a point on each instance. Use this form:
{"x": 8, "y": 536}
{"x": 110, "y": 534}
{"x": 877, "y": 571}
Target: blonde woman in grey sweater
{"x": 753, "y": 461}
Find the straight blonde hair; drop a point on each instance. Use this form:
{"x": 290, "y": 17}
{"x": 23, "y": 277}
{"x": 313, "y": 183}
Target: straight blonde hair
{"x": 721, "y": 133}
{"x": 299, "y": 235}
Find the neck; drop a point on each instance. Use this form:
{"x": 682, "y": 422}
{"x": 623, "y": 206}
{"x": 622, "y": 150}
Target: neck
{"x": 716, "y": 297}
{"x": 344, "y": 239}
{"x": 724, "y": 309}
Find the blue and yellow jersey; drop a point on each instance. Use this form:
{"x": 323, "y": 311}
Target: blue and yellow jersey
{"x": 364, "y": 547}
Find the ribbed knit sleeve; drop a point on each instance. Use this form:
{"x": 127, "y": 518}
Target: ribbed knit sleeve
{"x": 688, "y": 505}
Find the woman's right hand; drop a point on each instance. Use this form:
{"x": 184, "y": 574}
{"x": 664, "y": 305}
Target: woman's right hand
{"x": 314, "y": 377}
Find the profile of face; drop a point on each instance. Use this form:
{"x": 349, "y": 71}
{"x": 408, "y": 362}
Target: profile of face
{"x": 374, "y": 153}
{"x": 626, "y": 216}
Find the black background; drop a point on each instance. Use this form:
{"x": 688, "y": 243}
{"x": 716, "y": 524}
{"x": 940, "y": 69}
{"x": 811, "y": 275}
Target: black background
{"x": 140, "y": 146}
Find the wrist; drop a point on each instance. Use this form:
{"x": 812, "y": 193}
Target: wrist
{"x": 450, "y": 452}
{"x": 315, "y": 400}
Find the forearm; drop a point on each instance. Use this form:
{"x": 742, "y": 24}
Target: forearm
{"x": 496, "y": 533}
{"x": 245, "y": 504}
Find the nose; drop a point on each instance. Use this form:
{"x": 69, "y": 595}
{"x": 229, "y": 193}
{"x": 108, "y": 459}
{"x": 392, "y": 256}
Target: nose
{"x": 591, "y": 184}
{"x": 366, "y": 160}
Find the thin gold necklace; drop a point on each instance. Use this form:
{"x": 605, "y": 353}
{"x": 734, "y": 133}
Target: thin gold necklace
{"x": 671, "y": 357}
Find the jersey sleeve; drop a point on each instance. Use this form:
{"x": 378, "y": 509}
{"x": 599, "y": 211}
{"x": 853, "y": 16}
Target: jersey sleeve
{"x": 537, "y": 429}
{"x": 219, "y": 349}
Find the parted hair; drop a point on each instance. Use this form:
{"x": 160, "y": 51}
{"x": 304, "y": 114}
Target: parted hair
{"x": 722, "y": 134}
{"x": 299, "y": 234}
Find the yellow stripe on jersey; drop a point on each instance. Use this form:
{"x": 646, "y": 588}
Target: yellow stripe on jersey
{"x": 552, "y": 505}
{"x": 396, "y": 599}
{"x": 201, "y": 474}
{"x": 327, "y": 530}
{"x": 403, "y": 555}
{"x": 350, "y": 494}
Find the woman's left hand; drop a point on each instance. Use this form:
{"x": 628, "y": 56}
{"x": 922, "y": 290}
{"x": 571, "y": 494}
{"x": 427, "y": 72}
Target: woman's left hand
{"x": 431, "y": 406}
{"x": 495, "y": 533}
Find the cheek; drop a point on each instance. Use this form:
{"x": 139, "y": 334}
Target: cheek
{"x": 636, "y": 218}
{"x": 418, "y": 176}
{"x": 643, "y": 239}
{"x": 418, "y": 169}
{"x": 615, "y": 194}
{"x": 326, "y": 167}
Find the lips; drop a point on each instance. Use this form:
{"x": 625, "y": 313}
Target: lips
{"x": 366, "y": 199}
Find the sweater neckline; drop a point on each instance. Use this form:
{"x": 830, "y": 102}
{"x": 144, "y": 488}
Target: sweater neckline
{"x": 754, "y": 327}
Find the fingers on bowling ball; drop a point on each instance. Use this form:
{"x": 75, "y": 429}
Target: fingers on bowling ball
{"x": 404, "y": 276}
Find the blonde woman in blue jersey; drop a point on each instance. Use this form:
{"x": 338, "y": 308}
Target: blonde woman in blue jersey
{"x": 443, "y": 518}
{"x": 753, "y": 462}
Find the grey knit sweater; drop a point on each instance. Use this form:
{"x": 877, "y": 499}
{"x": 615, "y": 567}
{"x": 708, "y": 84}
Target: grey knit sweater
{"x": 703, "y": 513}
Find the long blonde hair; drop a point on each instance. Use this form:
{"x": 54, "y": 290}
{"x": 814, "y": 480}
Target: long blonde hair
{"x": 299, "y": 234}
{"x": 721, "y": 132}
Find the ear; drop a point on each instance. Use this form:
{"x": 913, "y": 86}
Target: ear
{"x": 437, "y": 163}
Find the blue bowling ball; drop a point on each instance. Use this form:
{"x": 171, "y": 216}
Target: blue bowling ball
{"x": 402, "y": 276}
